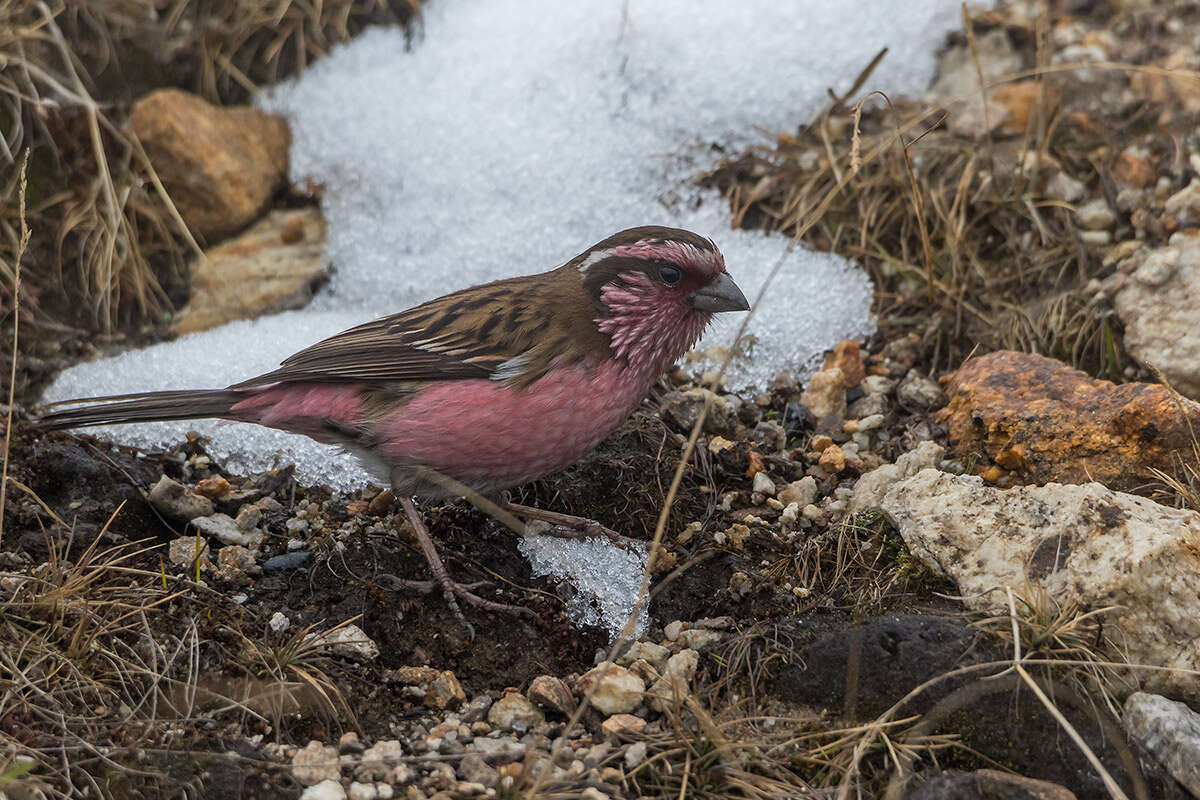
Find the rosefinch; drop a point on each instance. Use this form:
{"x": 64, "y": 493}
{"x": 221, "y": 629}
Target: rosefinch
{"x": 492, "y": 386}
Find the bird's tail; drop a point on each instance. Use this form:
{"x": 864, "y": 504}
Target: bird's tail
{"x": 144, "y": 407}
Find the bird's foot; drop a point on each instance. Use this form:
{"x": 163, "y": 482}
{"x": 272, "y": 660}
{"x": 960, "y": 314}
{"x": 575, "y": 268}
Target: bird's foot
{"x": 452, "y": 591}
{"x": 566, "y": 526}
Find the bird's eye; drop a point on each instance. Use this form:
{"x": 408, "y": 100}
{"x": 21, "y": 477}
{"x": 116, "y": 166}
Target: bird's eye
{"x": 669, "y": 275}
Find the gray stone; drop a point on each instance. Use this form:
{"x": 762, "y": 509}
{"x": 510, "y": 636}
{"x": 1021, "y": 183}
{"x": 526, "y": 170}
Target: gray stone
{"x": 1170, "y": 731}
{"x": 316, "y": 762}
{"x": 174, "y": 499}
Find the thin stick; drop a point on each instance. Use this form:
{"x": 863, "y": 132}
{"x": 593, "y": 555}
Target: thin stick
{"x": 12, "y": 376}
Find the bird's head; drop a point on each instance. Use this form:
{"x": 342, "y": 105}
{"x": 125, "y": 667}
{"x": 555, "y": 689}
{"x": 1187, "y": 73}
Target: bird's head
{"x": 655, "y": 289}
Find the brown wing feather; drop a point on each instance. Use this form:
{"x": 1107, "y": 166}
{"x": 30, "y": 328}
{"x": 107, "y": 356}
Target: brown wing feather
{"x": 467, "y": 334}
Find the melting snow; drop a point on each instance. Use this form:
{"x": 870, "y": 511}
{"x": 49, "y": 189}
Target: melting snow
{"x": 605, "y": 578}
{"x": 517, "y": 132}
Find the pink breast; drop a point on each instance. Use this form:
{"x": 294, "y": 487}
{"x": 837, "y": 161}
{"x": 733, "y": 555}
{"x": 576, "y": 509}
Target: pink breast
{"x": 487, "y": 434}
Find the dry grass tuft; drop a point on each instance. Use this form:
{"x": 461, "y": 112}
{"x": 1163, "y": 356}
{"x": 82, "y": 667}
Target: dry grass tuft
{"x": 69, "y": 70}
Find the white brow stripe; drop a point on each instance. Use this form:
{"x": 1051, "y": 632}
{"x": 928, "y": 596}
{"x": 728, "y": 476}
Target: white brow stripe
{"x": 593, "y": 258}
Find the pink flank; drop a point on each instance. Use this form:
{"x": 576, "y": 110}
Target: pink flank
{"x": 494, "y": 436}
{"x": 303, "y": 408}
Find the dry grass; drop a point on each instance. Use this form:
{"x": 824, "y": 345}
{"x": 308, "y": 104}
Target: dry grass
{"x": 70, "y": 70}
{"x": 964, "y": 245}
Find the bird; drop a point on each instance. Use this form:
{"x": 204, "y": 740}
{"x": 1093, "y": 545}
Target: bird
{"x": 482, "y": 389}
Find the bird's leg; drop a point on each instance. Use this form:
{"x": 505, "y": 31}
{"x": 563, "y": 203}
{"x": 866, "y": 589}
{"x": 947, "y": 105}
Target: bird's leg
{"x": 567, "y": 526}
{"x": 452, "y": 591}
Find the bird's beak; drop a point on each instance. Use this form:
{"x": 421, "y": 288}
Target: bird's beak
{"x": 720, "y": 295}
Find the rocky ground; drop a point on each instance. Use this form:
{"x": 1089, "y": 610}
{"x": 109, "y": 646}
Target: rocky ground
{"x": 943, "y": 567}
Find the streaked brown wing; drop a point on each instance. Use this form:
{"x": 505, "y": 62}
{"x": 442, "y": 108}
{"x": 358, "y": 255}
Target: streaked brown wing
{"x": 469, "y": 334}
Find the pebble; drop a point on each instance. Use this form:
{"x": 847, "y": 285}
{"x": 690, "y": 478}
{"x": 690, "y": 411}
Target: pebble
{"x": 676, "y": 679}
{"x": 801, "y": 492}
{"x": 825, "y": 395}
{"x": 1095, "y": 215}
{"x": 475, "y": 711}
{"x": 316, "y": 762}
{"x": 673, "y": 629}
{"x": 325, "y": 790}
{"x": 619, "y": 725}
{"x": 514, "y": 712}
{"x": 552, "y": 694}
{"x": 182, "y": 552}
{"x": 348, "y": 641}
{"x": 286, "y": 561}
{"x": 616, "y": 689}
{"x": 279, "y": 622}
{"x": 1062, "y": 186}
{"x": 654, "y": 654}
{"x": 635, "y": 754}
{"x": 363, "y": 791}
{"x": 763, "y": 484}
{"x": 473, "y": 768}
{"x": 223, "y": 528}
{"x": 500, "y": 751}
{"x": 833, "y": 459}
{"x": 1184, "y": 205}
{"x": 175, "y": 500}
{"x": 919, "y": 391}
{"x": 381, "y": 759}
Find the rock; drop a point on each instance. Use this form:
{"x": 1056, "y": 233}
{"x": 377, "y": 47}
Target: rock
{"x": 1184, "y": 205}
{"x": 500, "y": 751}
{"x": 635, "y": 754}
{"x": 957, "y": 88}
{"x": 1160, "y": 308}
{"x": 700, "y": 639}
{"x": 278, "y": 623}
{"x": 381, "y": 503}
{"x": 348, "y": 641}
{"x": 476, "y": 710}
{"x": 286, "y": 561}
{"x": 213, "y": 488}
{"x": 552, "y": 694}
{"x": 224, "y": 529}
{"x": 1133, "y": 167}
{"x": 325, "y": 790}
{"x": 869, "y": 491}
{"x": 1062, "y": 186}
{"x": 617, "y": 690}
{"x": 273, "y": 266}
{"x": 1170, "y": 731}
{"x": 362, "y": 791}
{"x": 472, "y": 768}
{"x": 176, "y": 500}
{"x": 514, "y": 713}
{"x": 683, "y": 409}
{"x": 825, "y": 395}
{"x": 219, "y": 165}
{"x": 676, "y": 681}
{"x": 917, "y": 391}
{"x": 672, "y": 629}
{"x": 182, "y": 552}
{"x": 847, "y": 357}
{"x": 801, "y": 492}
{"x": 654, "y": 654}
{"x": 236, "y": 557}
{"x": 763, "y": 484}
{"x": 1095, "y": 215}
{"x": 444, "y": 691}
{"x": 1084, "y": 546}
{"x": 620, "y": 726}
{"x": 832, "y": 460}
{"x": 350, "y": 744}
{"x": 316, "y": 762}
{"x": 380, "y": 758}
{"x": 1048, "y": 422}
{"x": 987, "y": 784}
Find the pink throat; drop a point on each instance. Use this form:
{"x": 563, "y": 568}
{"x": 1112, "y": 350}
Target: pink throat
{"x": 650, "y": 326}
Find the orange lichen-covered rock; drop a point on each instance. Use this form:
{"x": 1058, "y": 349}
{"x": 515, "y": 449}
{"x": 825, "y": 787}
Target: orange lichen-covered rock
{"x": 1045, "y": 421}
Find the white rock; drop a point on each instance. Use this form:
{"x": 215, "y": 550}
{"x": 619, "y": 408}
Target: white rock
{"x": 363, "y": 791}
{"x": 223, "y": 528}
{"x": 655, "y": 654}
{"x": 1185, "y": 204}
{"x": 1082, "y": 545}
{"x": 676, "y": 681}
{"x": 763, "y": 484}
{"x": 1160, "y": 309}
{"x": 514, "y": 712}
{"x": 1062, "y": 186}
{"x": 673, "y": 629}
{"x": 176, "y": 500}
{"x": 325, "y": 790}
{"x": 1170, "y": 731}
{"x": 617, "y": 690}
{"x": 316, "y": 762}
{"x": 383, "y": 758}
{"x": 801, "y": 492}
{"x": 278, "y": 623}
{"x": 348, "y": 641}
{"x": 869, "y": 491}
{"x": 635, "y": 754}
{"x": 1095, "y": 215}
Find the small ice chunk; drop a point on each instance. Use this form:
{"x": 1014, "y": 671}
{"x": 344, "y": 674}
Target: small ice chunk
{"x": 606, "y": 578}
